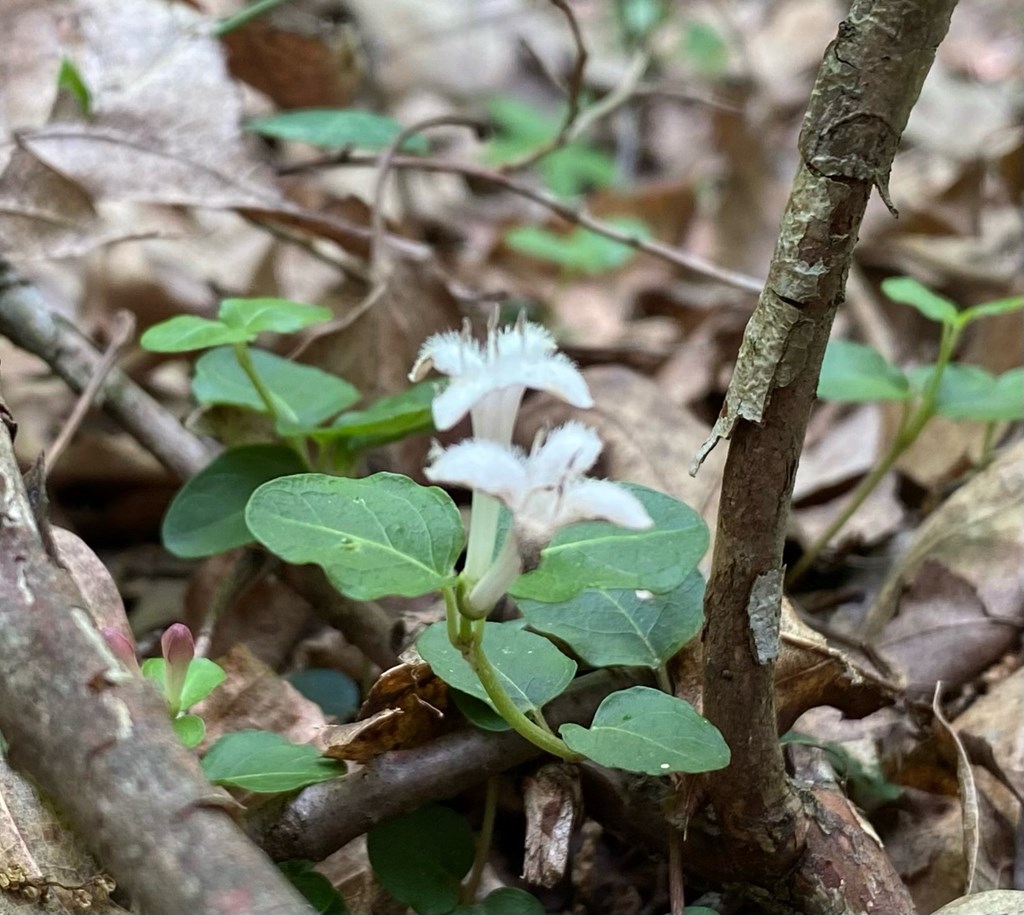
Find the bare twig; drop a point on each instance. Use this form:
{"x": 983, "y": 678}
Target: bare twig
{"x": 121, "y": 333}
{"x": 574, "y": 91}
{"x": 28, "y": 323}
{"x": 675, "y": 256}
{"x": 378, "y": 226}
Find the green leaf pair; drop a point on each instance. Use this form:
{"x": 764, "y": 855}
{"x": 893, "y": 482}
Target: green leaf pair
{"x": 855, "y": 373}
{"x": 238, "y": 321}
{"x": 386, "y": 535}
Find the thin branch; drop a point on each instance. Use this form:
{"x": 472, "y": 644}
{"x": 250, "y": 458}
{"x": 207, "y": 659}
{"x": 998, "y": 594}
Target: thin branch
{"x": 378, "y": 229}
{"x": 675, "y": 256}
{"x": 575, "y": 92}
{"x": 122, "y": 332}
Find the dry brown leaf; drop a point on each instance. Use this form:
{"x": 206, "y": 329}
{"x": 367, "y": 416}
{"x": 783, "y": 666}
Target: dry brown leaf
{"x": 552, "y": 800}
{"x": 254, "y": 696}
{"x": 303, "y": 54}
{"x": 406, "y": 707}
{"x": 94, "y": 581}
{"x": 977, "y": 538}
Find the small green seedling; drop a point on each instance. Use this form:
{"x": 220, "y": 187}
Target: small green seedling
{"x": 855, "y": 373}
{"x": 305, "y": 407}
{"x": 184, "y": 680}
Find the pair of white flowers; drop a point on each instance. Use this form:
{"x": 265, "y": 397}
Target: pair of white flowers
{"x": 545, "y": 489}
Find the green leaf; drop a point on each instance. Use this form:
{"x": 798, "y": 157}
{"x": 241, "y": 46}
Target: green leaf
{"x": 303, "y": 396}
{"x": 580, "y": 250}
{"x": 336, "y": 693}
{"x": 908, "y": 291}
{"x": 318, "y": 890}
{"x": 704, "y": 47}
{"x": 607, "y": 628}
{"x": 988, "y": 309}
{"x": 970, "y": 392}
{"x": 266, "y": 763}
{"x": 207, "y": 516}
{"x": 279, "y": 316}
{"x": 576, "y": 168}
{"x": 201, "y": 679}
{"x": 645, "y": 730}
{"x": 188, "y": 332}
{"x": 853, "y": 372}
{"x": 336, "y": 128}
{"x": 507, "y": 900}
{"x": 69, "y": 79}
{"x": 191, "y": 729}
{"x": 479, "y": 713}
{"x": 639, "y": 18}
{"x": 698, "y": 910}
{"x": 530, "y": 668}
{"x": 524, "y": 124}
{"x": 421, "y": 858}
{"x": 597, "y": 554}
{"x": 376, "y": 536}
{"x": 385, "y": 420}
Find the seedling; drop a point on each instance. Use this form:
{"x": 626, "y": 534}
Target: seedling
{"x": 856, "y": 373}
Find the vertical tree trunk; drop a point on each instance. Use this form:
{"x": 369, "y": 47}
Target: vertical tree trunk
{"x": 868, "y": 82}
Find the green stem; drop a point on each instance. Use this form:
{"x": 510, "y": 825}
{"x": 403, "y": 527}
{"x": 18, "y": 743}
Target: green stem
{"x": 664, "y": 683}
{"x": 244, "y": 358}
{"x": 483, "y": 843}
{"x": 244, "y": 16}
{"x": 502, "y": 701}
{"x": 451, "y": 616}
{"x": 910, "y": 428}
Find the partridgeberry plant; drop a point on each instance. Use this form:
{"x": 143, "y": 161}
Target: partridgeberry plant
{"x": 614, "y": 562}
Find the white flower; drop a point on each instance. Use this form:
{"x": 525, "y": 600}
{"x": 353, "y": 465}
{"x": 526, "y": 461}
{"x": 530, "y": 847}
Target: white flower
{"x": 545, "y": 490}
{"x": 489, "y": 379}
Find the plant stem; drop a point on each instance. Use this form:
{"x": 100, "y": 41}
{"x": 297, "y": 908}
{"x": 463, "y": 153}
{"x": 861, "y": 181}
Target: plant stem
{"x": 451, "y": 615}
{"x": 502, "y": 701}
{"x": 244, "y": 358}
{"x": 910, "y": 428}
{"x": 661, "y": 675}
{"x": 483, "y": 843}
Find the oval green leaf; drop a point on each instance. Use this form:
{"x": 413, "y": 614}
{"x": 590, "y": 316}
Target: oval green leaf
{"x": 191, "y": 729}
{"x": 855, "y": 373}
{"x": 908, "y": 291}
{"x": 376, "y": 536}
{"x": 506, "y": 900}
{"x": 279, "y": 316}
{"x": 303, "y": 396}
{"x": 385, "y": 420}
{"x": 532, "y": 670}
{"x": 336, "y": 128}
{"x": 188, "y": 332}
{"x": 988, "y": 309}
{"x": 597, "y": 554}
{"x": 318, "y": 890}
{"x": 207, "y": 516}
{"x": 970, "y": 392}
{"x": 645, "y": 730}
{"x": 421, "y": 858}
{"x": 266, "y": 763}
{"x": 612, "y": 627}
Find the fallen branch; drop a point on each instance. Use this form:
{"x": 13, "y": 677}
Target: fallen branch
{"x": 97, "y": 739}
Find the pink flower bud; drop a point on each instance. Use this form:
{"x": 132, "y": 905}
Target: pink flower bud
{"x": 122, "y": 646}
{"x": 178, "y": 649}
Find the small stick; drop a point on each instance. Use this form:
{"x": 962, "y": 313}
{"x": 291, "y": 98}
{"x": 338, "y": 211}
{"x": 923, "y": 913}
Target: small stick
{"x": 122, "y": 331}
